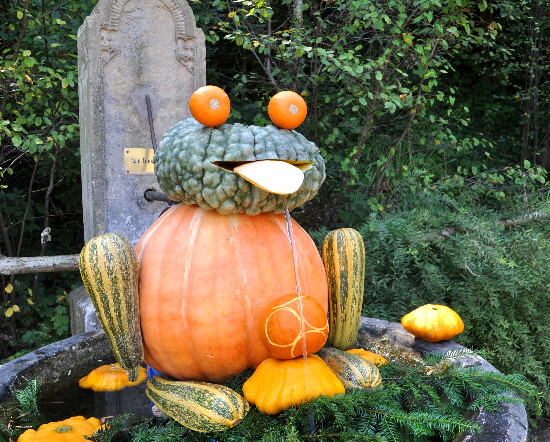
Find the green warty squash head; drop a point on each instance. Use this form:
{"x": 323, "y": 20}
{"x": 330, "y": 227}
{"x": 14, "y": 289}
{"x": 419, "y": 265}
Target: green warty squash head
{"x": 185, "y": 169}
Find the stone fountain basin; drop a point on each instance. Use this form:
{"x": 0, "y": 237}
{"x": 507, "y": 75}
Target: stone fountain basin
{"x": 59, "y": 366}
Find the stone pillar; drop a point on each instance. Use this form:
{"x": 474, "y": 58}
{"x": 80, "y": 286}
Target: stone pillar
{"x": 128, "y": 49}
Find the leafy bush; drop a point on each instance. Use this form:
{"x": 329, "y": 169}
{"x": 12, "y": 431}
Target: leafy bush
{"x": 40, "y": 200}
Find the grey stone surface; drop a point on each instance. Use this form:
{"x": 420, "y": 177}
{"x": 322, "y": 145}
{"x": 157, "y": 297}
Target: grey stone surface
{"x": 128, "y": 49}
{"x": 509, "y": 425}
{"x": 82, "y": 312}
{"x": 57, "y": 366}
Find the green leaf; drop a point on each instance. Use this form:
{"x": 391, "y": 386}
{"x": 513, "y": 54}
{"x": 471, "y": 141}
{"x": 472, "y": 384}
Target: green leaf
{"x": 391, "y": 106}
{"x": 19, "y": 15}
{"x": 16, "y": 140}
{"x": 379, "y": 75}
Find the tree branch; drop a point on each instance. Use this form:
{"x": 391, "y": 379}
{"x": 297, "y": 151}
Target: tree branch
{"x": 60, "y": 263}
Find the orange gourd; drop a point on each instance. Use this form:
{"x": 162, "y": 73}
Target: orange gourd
{"x": 433, "y": 323}
{"x": 210, "y": 106}
{"x": 205, "y": 281}
{"x": 281, "y": 326}
{"x": 373, "y": 358}
{"x": 110, "y": 377}
{"x": 70, "y": 430}
{"x": 287, "y": 109}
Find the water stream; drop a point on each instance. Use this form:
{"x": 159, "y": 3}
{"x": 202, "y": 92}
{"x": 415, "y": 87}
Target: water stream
{"x": 297, "y": 279}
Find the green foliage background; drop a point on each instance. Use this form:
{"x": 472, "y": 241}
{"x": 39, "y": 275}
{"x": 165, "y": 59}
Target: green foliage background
{"x": 433, "y": 117}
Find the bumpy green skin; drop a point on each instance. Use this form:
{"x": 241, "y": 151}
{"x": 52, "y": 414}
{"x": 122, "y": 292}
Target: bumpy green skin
{"x": 352, "y": 370}
{"x": 184, "y": 169}
{"x": 199, "y": 406}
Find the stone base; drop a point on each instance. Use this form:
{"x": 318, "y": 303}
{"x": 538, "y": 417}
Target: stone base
{"x": 509, "y": 425}
{"x": 82, "y": 313}
{"x": 59, "y": 366}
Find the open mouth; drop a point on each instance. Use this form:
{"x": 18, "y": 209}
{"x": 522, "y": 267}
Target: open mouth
{"x": 282, "y": 177}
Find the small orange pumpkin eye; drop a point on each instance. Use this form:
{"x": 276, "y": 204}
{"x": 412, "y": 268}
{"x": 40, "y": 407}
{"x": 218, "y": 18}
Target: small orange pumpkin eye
{"x": 287, "y": 109}
{"x": 210, "y": 106}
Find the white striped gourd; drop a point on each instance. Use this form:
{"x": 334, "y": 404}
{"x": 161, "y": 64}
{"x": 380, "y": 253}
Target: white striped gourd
{"x": 344, "y": 259}
{"x": 352, "y": 370}
{"x": 199, "y": 406}
{"x": 110, "y": 272}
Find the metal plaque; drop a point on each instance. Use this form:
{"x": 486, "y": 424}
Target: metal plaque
{"x": 138, "y": 160}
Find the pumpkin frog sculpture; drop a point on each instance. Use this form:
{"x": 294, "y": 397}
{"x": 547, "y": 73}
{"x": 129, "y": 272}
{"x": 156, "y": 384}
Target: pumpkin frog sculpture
{"x": 216, "y": 285}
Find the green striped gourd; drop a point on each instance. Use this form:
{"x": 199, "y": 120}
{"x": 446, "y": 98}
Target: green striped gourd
{"x": 110, "y": 272}
{"x": 199, "y": 406}
{"x": 344, "y": 259}
{"x": 352, "y": 370}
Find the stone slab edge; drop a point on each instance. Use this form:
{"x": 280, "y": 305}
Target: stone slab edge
{"x": 510, "y": 425}
{"x": 56, "y": 362}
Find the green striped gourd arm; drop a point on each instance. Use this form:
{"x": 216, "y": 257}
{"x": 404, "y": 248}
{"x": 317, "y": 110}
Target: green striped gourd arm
{"x": 344, "y": 259}
{"x": 110, "y": 272}
{"x": 199, "y": 406}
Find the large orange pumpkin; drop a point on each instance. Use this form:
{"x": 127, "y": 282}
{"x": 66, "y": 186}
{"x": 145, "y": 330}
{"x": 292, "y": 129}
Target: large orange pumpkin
{"x": 206, "y": 279}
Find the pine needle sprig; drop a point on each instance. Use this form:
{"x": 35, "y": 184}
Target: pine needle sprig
{"x": 110, "y": 429}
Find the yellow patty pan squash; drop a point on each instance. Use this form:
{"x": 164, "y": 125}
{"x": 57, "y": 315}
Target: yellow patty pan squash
{"x": 433, "y": 323}
{"x": 111, "y": 377}
{"x": 279, "y": 384}
{"x": 70, "y": 430}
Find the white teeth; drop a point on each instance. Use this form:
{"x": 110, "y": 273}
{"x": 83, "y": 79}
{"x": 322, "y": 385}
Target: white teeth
{"x": 272, "y": 176}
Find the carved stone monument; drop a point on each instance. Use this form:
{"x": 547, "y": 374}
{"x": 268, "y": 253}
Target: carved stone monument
{"x": 129, "y": 50}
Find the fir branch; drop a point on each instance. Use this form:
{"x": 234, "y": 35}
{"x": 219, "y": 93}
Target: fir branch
{"x": 110, "y": 429}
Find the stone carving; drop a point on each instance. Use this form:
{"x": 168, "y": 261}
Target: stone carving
{"x": 185, "y": 42}
{"x": 130, "y": 49}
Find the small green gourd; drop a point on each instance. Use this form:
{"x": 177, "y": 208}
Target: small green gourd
{"x": 353, "y": 370}
{"x": 199, "y": 406}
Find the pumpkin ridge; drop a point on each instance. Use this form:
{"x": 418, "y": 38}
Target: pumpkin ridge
{"x": 244, "y": 297}
{"x": 170, "y": 223}
{"x": 154, "y": 227}
{"x": 194, "y": 227}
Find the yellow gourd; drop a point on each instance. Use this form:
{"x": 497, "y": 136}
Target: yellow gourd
{"x": 279, "y": 384}
{"x": 433, "y": 323}
{"x": 111, "y": 377}
{"x": 70, "y": 430}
